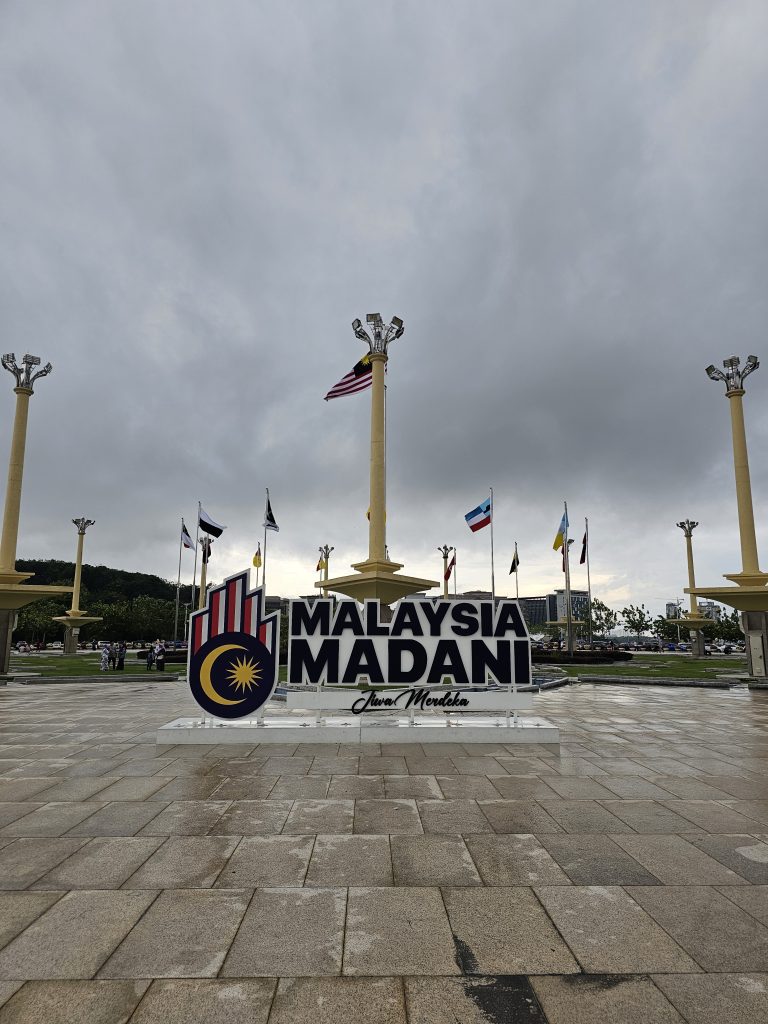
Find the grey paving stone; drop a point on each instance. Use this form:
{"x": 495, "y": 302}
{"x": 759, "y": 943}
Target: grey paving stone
{"x": 392, "y": 931}
{"x": 752, "y": 898}
{"x": 68, "y": 1002}
{"x": 596, "y": 860}
{"x": 339, "y": 1000}
{"x": 387, "y": 817}
{"x": 267, "y": 861}
{"x": 515, "y": 817}
{"x": 411, "y": 786}
{"x": 23, "y": 861}
{"x": 609, "y": 933}
{"x": 630, "y": 787}
{"x": 504, "y": 931}
{"x": 289, "y": 932}
{"x": 186, "y": 818}
{"x": 103, "y": 863}
{"x": 78, "y": 789}
{"x": 334, "y": 766}
{"x": 188, "y": 789}
{"x": 258, "y": 787}
{"x": 50, "y": 820}
{"x": 340, "y": 860}
{"x": 184, "y": 862}
{"x": 739, "y": 789}
{"x": 604, "y": 998}
{"x": 382, "y": 766}
{"x": 301, "y": 787}
{"x": 356, "y": 787}
{"x": 23, "y": 789}
{"x": 715, "y": 998}
{"x": 310, "y": 817}
{"x": 432, "y": 860}
{"x": 514, "y": 860}
{"x": 718, "y": 934}
{"x": 579, "y": 789}
{"x": 584, "y": 816}
{"x": 74, "y": 937}
{"x": 287, "y": 765}
{"x": 461, "y": 817}
{"x": 185, "y": 934}
{"x": 674, "y": 860}
{"x": 465, "y": 787}
{"x": 13, "y": 811}
{"x": 118, "y": 819}
{"x": 712, "y": 816}
{"x": 689, "y": 789}
{"x": 7, "y": 989}
{"x": 756, "y": 809}
{"x": 206, "y": 1001}
{"x": 132, "y": 789}
{"x": 472, "y": 1000}
{"x": 253, "y": 818}
{"x": 20, "y": 909}
{"x": 517, "y": 787}
{"x": 745, "y": 855}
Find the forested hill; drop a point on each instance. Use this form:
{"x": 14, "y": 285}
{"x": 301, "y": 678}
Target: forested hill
{"x": 100, "y": 582}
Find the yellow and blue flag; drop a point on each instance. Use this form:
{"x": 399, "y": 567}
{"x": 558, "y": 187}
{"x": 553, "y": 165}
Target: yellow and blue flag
{"x": 560, "y": 536}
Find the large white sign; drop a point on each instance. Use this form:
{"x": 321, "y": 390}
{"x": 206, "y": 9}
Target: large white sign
{"x": 425, "y": 642}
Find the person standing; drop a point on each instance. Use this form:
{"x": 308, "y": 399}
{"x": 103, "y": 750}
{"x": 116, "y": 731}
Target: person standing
{"x": 160, "y": 657}
{"x": 112, "y": 655}
{"x": 150, "y": 657}
{"x": 103, "y": 667}
{"x": 121, "y": 649}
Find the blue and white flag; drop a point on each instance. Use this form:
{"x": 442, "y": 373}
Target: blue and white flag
{"x": 479, "y": 517}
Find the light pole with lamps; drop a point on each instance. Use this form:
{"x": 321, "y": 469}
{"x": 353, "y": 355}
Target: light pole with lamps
{"x": 74, "y": 618}
{"x": 750, "y": 596}
{"x": 377, "y": 577}
{"x": 15, "y": 592}
{"x": 693, "y": 620}
{"x": 325, "y": 558}
{"x": 445, "y": 551}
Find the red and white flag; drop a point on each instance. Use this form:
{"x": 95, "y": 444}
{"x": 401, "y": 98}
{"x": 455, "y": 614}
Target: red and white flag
{"x": 359, "y": 378}
{"x": 449, "y": 570}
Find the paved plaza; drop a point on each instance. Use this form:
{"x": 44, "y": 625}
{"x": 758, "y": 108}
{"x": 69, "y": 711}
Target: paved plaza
{"x": 621, "y": 879}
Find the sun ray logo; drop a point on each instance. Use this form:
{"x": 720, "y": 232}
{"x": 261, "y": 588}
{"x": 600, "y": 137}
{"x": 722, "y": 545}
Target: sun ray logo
{"x": 232, "y": 667}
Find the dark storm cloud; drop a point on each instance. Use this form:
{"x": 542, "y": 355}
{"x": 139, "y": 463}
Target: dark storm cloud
{"x": 565, "y": 202}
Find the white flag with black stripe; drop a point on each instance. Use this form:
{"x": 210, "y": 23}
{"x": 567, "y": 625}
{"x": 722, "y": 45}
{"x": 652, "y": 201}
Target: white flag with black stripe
{"x": 209, "y": 525}
{"x": 269, "y": 519}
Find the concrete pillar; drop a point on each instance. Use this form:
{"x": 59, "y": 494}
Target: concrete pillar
{"x": 749, "y": 563}
{"x": 13, "y": 489}
{"x": 377, "y": 529}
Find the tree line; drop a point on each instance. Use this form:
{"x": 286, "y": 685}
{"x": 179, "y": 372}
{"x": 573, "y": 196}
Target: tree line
{"x": 131, "y": 605}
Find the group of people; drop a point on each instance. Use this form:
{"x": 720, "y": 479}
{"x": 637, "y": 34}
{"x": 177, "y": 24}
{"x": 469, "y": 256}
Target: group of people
{"x": 156, "y": 656}
{"x": 113, "y": 656}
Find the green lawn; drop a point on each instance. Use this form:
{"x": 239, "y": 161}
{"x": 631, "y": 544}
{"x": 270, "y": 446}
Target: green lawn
{"x": 658, "y": 667}
{"x": 82, "y": 664}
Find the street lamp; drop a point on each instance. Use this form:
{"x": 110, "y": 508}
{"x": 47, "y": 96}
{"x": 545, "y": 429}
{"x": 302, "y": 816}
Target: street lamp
{"x": 692, "y": 620}
{"x": 377, "y": 577}
{"x": 445, "y": 551}
{"x": 74, "y": 618}
{"x": 325, "y": 557}
{"x": 750, "y": 597}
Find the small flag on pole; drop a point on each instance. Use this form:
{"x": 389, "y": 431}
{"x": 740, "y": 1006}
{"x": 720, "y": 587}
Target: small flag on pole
{"x": 186, "y": 540}
{"x": 583, "y": 558}
{"x": 320, "y": 565}
{"x": 479, "y": 517}
{"x": 560, "y": 535}
{"x": 359, "y": 378}
{"x": 269, "y": 519}
{"x": 449, "y": 570}
{"x": 205, "y": 545}
{"x": 515, "y": 562}
{"x": 257, "y": 558}
{"x": 209, "y": 525}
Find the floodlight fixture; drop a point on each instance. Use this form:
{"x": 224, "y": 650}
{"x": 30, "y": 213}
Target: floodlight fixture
{"x": 25, "y": 378}
{"x": 712, "y": 372}
{"x": 734, "y": 375}
{"x": 380, "y": 335}
{"x": 83, "y": 524}
{"x": 687, "y": 526}
{"x": 374, "y": 318}
{"x": 731, "y": 362}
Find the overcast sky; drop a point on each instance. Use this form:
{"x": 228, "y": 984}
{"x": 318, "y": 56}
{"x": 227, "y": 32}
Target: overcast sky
{"x": 565, "y": 201}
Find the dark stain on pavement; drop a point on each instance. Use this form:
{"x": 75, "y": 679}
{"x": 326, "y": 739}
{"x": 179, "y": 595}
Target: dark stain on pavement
{"x": 505, "y": 999}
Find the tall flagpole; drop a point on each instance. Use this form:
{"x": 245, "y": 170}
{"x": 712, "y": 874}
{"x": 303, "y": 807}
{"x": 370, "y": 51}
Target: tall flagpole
{"x": 568, "y": 613}
{"x": 517, "y": 574}
{"x": 493, "y": 571}
{"x": 197, "y": 545}
{"x": 264, "y": 559}
{"x": 589, "y": 581}
{"x": 178, "y": 587}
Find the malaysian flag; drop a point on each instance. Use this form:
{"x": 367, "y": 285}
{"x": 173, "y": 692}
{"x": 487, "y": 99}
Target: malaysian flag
{"x": 358, "y": 379}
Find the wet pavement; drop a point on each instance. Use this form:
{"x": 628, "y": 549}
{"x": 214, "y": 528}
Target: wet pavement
{"x": 622, "y": 878}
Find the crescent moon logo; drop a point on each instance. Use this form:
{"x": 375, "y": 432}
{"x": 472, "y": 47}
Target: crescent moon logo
{"x": 207, "y": 667}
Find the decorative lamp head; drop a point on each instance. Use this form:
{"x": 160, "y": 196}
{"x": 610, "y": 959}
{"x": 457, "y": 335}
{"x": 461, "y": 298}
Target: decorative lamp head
{"x": 83, "y": 524}
{"x": 25, "y": 378}
{"x": 380, "y": 334}
{"x": 734, "y": 375}
{"x": 687, "y": 526}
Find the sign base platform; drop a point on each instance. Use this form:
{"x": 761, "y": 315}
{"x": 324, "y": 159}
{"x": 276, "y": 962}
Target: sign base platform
{"x": 309, "y": 728}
